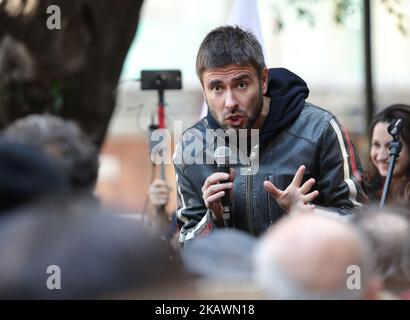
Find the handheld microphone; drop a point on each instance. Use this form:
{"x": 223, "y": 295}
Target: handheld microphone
{"x": 221, "y": 156}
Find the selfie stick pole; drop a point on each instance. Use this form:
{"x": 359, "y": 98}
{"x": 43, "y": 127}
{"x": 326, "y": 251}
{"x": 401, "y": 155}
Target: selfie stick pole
{"x": 161, "y": 122}
{"x": 160, "y": 80}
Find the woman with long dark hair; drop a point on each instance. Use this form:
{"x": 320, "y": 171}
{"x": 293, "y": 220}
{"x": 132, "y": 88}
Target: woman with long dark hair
{"x": 399, "y": 192}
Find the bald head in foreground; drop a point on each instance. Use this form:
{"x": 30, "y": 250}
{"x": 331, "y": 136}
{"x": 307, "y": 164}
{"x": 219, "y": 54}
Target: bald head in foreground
{"x": 308, "y": 256}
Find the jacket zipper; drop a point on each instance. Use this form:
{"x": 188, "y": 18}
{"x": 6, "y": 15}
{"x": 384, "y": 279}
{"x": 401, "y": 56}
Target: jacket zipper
{"x": 249, "y": 199}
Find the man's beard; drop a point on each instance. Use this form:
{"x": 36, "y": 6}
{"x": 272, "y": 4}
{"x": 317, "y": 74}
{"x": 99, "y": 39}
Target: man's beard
{"x": 251, "y": 118}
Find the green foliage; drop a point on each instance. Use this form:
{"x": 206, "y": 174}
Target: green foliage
{"x": 394, "y": 7}
{"x": 342, "y": 9}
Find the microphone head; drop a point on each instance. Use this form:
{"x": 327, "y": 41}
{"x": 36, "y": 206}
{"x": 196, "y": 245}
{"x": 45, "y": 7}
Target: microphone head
{"x": 222, "y": 155}
{"x": 395, "y": 126}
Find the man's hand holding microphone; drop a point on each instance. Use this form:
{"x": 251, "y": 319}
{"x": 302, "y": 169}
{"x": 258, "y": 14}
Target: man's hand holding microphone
{"x": 217, "y": 187}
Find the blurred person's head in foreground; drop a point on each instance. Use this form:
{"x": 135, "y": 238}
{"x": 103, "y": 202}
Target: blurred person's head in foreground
{"x": 28, "y": 175}
{"x": 98, "y": 255}
{"x": 62, "y": 140}
{"x": 307, "y": 256}
{"x": 222, "y": 255}
{"x": 380, "y": 156}
{"x": 388, "y": 234}
{"x": 223, "y": 262}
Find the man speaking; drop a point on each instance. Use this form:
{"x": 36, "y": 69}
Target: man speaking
{"x": 296, "y": 154}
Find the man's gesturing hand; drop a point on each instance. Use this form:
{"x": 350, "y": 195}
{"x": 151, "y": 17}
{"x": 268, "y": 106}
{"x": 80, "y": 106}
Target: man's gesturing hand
{"x": 213, "y": 191}
{"x": 294, "y": 195}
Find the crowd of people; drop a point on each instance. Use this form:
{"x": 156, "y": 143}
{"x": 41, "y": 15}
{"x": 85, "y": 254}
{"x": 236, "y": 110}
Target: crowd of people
{"x": 303, "y": 216}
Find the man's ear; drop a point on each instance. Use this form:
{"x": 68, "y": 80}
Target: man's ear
{"x": 264, "y": 80}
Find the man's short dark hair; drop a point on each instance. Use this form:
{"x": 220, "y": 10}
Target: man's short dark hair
{"x": 228, "y": 45}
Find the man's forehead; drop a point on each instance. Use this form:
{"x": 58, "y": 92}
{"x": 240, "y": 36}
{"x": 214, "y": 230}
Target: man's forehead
{"x": 228, "y": 73}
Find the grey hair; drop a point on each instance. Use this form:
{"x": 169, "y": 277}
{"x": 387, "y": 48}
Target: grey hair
{"x": 79, "y": 156}
{"x": 388, "y": 236}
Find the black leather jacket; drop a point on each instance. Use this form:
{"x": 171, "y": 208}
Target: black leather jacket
{"x": 314, "y": 139}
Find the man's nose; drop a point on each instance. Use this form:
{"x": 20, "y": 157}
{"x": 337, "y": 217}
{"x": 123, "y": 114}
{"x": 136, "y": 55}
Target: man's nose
{"x": 230, "y": 102}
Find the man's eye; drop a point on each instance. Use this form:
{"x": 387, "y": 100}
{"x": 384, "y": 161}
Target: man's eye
{"x": 217, "y": 88}
{"x": 242, "y": 85}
